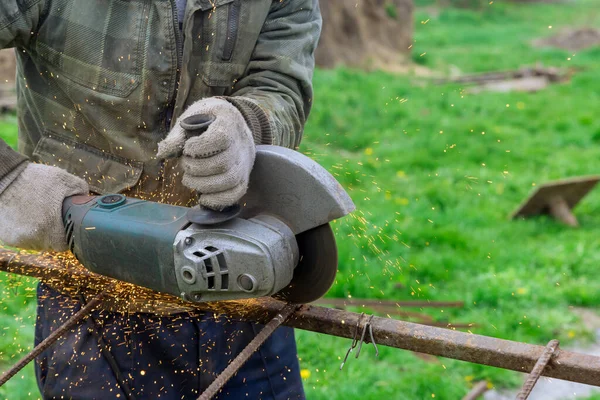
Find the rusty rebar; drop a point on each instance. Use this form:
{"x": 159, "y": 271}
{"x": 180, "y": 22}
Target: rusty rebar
{"x": 245, "y": 354}
{"x": 441, "y": 342}
{"x": 391, "y": 308}
{"x": 96, "y": 330}
{"x": 478, "y": 390}
{"x": 52, "y": 338}
{"x": 388, "y": 303}
{"x": 537, "y": 370}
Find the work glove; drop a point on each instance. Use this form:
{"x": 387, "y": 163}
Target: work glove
{"x": 216, "y": 164}
{"x": 31, "y": 207}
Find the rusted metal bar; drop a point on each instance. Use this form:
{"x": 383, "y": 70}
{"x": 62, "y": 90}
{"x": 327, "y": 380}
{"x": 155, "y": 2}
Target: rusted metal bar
{"x": 451, "y": 325}
{"x": 441, "y": 342}
{"x": 553, "y": 75}
{"x": 50, "y": 340}
{"x": 389, "y": 303}
{"x": 232, "y": 369}
{"x": 422, "y": 318}
{"x": 478, "y": 390}
{"x": 448, "y": 343}
{"x": 538, "y": 369}
{"x": 396, "y": 311}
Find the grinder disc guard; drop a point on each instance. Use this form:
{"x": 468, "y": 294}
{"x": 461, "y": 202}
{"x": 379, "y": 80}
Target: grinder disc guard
{"x": 316, "y": 270}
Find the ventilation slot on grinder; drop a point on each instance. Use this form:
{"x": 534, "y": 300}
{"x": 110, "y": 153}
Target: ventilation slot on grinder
{"x": 215, "y": 268}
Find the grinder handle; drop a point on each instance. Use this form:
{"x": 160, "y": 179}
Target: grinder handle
{"x": 196, "y": 125}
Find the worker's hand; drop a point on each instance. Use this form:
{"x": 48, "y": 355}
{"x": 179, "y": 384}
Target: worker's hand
{"x": 217, "y": 164}
{"x": 31, "y": 207}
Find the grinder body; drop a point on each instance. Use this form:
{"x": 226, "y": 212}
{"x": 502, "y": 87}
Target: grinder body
{"x": 277, "y": 242}
{"x": 155, "y": 246}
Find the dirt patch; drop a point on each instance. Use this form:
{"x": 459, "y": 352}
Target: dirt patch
{"x": 590, "y": 319}
{"x": 366, "y": 34}
{"x": 572, "y": 39}
{"x": 8, "y": 98}
{"x": 7, "y": 66}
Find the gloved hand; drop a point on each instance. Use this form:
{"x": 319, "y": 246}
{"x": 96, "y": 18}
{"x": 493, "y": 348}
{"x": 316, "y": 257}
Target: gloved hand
{"x": 31, "y": 207}
{"x": 217, "y": 164}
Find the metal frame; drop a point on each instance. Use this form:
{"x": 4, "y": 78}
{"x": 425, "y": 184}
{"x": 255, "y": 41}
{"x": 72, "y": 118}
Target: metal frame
{"x": 441, "y": 342}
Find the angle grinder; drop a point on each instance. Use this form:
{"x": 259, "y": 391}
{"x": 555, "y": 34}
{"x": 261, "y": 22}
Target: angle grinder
{"x": 277, "y": 243}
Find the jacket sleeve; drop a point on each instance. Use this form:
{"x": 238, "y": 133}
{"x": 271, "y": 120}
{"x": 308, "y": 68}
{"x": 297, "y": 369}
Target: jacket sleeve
{"x": 275, "y": 95}
{"x": 18, "y": 21}
{"x": 11, "y": 165}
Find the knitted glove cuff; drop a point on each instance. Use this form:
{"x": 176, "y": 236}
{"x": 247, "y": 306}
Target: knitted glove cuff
{"x": 255, "y": 117}
{"x": 11, "y": 165}
{"x": 6, "y": 181}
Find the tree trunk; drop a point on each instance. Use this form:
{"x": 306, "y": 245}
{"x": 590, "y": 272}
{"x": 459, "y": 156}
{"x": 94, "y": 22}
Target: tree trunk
{"x": 8, "y": 99}
{"x": 7, "y": 66}
{"x": 367, "y": 34}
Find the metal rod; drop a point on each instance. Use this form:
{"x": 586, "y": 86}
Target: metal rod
{"x": 441, "y": 342}
{"x": 448, "y": 343}
{"x": 52, "y": 338}
{"x": 250, "y": 349}
{"x": 537, "y": 370}
{"x": 96, "y": 331}
{"x": 421, "y": 318}
{"x": 388, "y": 303}
{"x": 478, "y": 390}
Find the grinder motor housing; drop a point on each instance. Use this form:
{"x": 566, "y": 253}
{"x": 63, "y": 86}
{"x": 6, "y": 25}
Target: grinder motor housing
{"x": 155, "y": 246}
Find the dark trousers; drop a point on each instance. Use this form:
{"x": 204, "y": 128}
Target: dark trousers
{"x": 174, "y": 357}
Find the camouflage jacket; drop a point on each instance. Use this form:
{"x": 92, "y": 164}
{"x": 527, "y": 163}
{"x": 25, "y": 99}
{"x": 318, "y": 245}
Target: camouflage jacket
{"x": 100, "y": 81}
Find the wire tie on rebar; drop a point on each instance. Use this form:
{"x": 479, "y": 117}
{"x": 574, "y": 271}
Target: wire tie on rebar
{"x": 354, "y": 340}
{"x": 537, "y": 370}
{"x": 362, "y": 338}
{"x": 373, "y": 337}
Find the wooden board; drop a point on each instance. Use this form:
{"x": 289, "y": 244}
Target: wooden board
{"x": 571, "y": 190}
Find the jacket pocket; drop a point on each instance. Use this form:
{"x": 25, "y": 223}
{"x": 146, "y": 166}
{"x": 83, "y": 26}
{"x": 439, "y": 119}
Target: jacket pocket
{"x": 99, "y": 47}
{"x": 105, "y": 173}
{"x": 221, "y": 27}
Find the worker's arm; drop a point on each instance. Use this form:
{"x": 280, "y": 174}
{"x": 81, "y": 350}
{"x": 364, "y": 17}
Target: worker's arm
{"x": 18, "y": 20}
{"x": 31, "y": 195}
{"x": 269, "y": 105}
{"x": 276, "y": 94}
{"x": 31, "y": 199}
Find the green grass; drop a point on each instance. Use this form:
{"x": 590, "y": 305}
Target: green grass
{"x": 435, "y": 172}
{"x": 436, "y": 192}
{"x": 17, "y": 313}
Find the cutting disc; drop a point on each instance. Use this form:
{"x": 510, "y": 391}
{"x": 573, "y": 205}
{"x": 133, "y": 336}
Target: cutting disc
{"x": 316, "y": 269}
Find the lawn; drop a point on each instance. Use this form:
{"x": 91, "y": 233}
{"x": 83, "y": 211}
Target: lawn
{"x": 435, "y": 172}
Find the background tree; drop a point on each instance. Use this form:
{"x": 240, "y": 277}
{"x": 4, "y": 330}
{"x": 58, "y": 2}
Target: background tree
{"x": 366, "y": 34}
